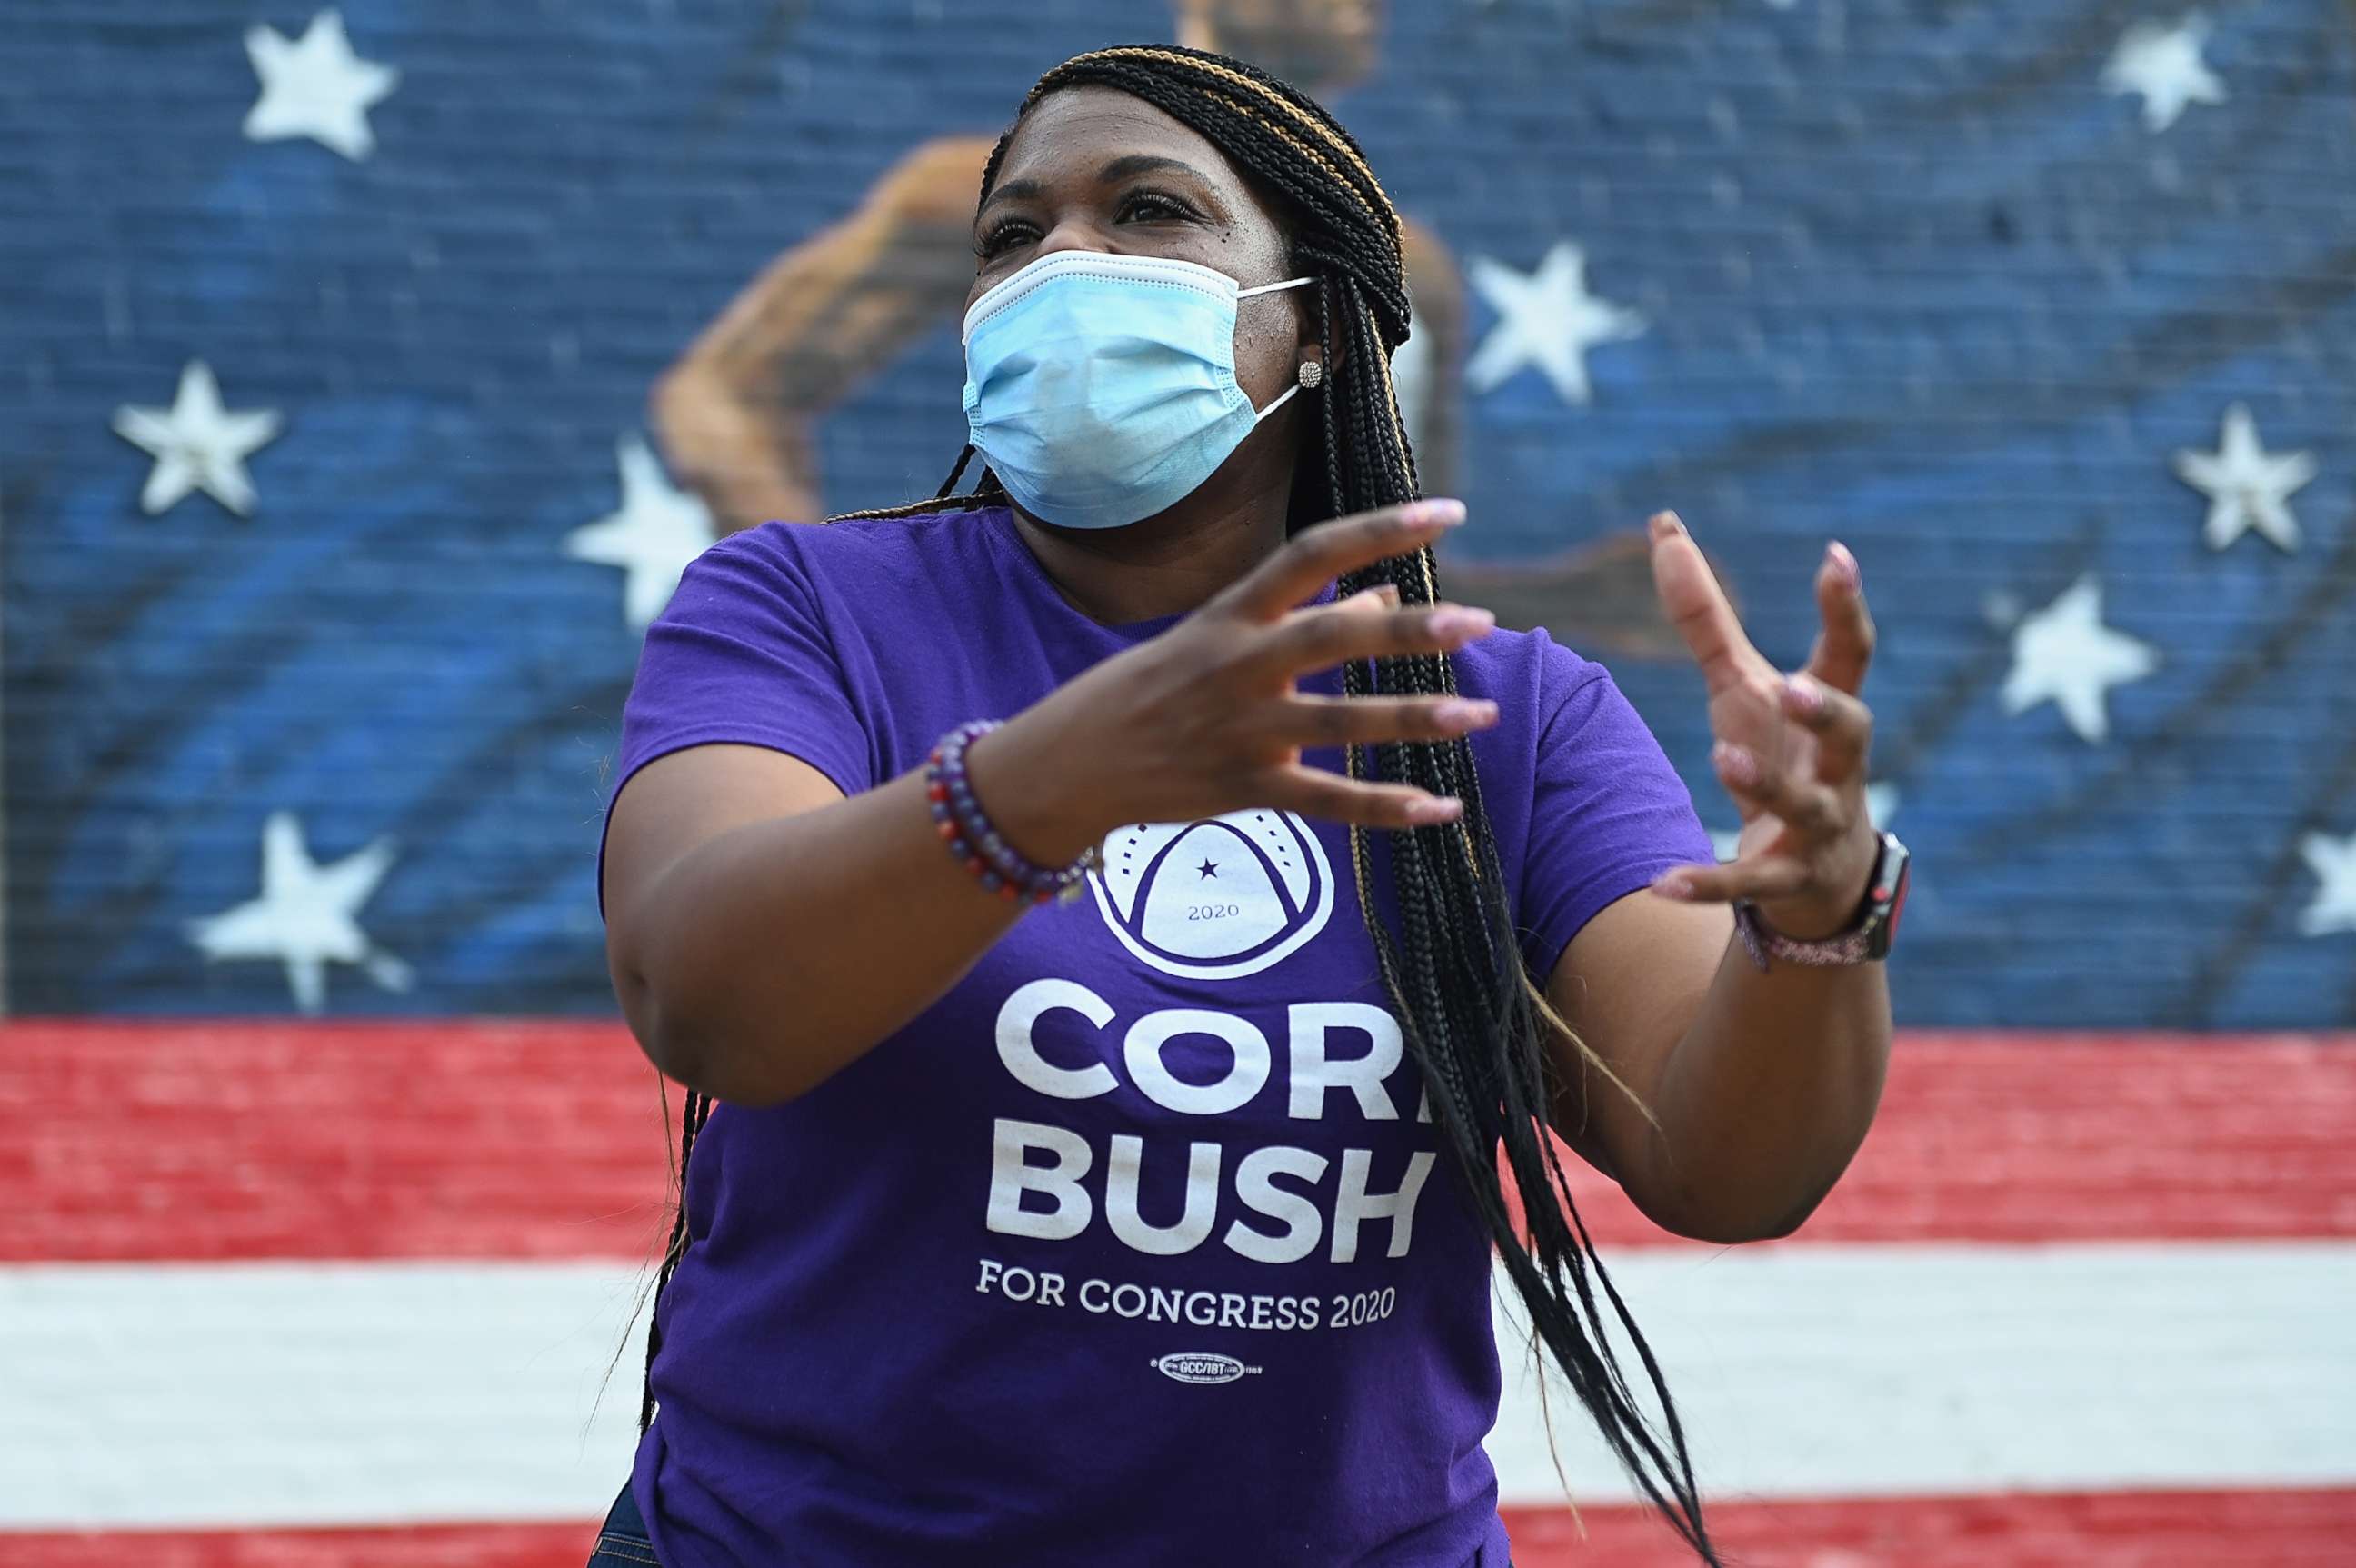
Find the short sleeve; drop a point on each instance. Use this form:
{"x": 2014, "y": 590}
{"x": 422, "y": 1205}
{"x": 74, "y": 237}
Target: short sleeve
{"x": 1608, "y": 814}
{"x": 742, "y": 655}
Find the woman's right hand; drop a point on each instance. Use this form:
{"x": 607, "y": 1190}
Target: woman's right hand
{"x": 1203, "y": 719}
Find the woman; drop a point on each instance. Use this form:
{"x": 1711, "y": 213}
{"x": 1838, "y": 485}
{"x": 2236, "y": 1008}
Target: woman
{"x": 1122, "y": 1185}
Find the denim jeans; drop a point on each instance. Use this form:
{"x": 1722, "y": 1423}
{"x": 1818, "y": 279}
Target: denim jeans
{"x": 622, "y": 1539}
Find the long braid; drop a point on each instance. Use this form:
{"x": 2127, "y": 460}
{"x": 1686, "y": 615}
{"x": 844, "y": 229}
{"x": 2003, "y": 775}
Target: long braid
{"x": 1478, "y": 1025}
{"x": 693, "y": 1115}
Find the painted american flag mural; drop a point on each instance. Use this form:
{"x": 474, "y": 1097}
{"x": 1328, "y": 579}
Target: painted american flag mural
{"x": 352, "y": 425}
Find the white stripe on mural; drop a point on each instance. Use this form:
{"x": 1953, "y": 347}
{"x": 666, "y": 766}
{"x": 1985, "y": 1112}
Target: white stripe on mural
{"x": 1885, "y": 1370}
{"x": 198, "y": 1395}
{"x": 202, "y": 1394}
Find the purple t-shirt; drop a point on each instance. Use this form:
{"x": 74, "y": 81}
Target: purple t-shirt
{"x": 1139, "y": 1245}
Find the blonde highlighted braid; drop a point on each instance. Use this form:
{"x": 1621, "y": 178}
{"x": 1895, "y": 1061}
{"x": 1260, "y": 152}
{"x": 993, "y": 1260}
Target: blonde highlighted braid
{"x": 1476, "y": 1021}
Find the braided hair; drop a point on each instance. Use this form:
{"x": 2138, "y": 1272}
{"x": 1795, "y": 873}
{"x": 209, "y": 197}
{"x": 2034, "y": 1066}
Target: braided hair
{"x": 1478, "y": 1026}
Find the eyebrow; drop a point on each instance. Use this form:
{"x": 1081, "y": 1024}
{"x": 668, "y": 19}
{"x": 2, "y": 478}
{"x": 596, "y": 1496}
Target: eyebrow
{"x": 1119, "y": 168}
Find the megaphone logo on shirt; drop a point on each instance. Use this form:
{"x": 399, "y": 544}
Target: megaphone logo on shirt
{"x": 1217, "y": 898}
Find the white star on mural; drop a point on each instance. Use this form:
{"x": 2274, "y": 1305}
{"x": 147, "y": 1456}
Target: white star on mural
{"x": 196, "y": 443}
{"x": 659, "y": 529}
{"x": 2162, "y": 64}
{"x": 1546, "y": 318}
{"x": 305, "y": 915}
{"x": 2066, "y": 655}
{"x": 2333, "y": 861}
{"x": 1880, "y": 808}
{"x": 314, "y": 86}
{"x": 2247, "y": 487}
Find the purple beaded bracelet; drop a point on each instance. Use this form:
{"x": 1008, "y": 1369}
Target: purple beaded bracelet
{"x": 977, "y": 845}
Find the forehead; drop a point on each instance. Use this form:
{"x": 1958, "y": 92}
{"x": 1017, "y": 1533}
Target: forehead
{"x": 1078, "y": 130}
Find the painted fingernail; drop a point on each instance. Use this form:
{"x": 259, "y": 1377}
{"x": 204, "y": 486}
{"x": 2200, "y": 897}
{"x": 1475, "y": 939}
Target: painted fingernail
{"x": 1736, "y": 763}
{"x": 1458, "y": 620}
{"x": 1845, "y": 564}
{"x": 1805, "y": 696}
{"x": 1434, "y": 809}
{"x": 1675, "y": 886}
{"x": 1440, "y": 510}
{"x": 1460, "y": 713}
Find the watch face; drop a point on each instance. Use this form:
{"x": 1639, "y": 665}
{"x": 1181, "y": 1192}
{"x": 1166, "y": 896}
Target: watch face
{"x": 1890, "y": 880}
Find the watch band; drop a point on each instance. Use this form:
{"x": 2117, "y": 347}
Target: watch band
{"x": 1868, "y": 936}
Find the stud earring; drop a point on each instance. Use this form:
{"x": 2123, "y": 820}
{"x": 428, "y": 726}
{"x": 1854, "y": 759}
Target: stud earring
{"x": 1312, "y": 373}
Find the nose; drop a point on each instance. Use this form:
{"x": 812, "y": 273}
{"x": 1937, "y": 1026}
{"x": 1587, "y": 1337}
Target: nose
{"x": 1073, "y": 231}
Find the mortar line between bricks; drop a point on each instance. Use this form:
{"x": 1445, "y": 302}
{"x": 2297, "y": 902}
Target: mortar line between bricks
{"x": 2334, "y": 585}
{"x": 2224, "y": 966}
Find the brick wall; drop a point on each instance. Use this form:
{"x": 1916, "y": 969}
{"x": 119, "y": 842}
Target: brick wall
{"x": 1914, "y": 277}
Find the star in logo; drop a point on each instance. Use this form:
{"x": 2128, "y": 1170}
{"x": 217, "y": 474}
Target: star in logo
{"x": 1546, "y": 318}
{"x": 2162, "y": 64}
{"x": 2333, "y": 861}
{"x": 2066, "y": 655}
{"x": 305, "y": 915}
{"x": 196, "y": 443}
{"x": 659, "y": 529}
{"x": 314, "y": 86}
{"x": 1209, "y": 867}
{"x": 2247, "y": 487}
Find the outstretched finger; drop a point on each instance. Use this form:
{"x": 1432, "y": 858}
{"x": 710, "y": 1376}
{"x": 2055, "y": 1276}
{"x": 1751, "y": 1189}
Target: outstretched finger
{"x": 1756, "y": 877}
{"x": 1845, "y": 647}
{"x": 1692, "y": 601}
{"x": 1325, "y": 635}
{"x": 1314, "y": 792}
{"x": 1316, "y": 556}
{"x": 1307, "y": 720}
{"x": 1842, "y": 725}
{"x": 1798, "y": 802}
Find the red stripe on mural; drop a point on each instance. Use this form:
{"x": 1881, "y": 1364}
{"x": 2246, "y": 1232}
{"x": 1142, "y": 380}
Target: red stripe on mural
{"x": 2100, "y": 1530}
{"x": 450, "y": 1138}
{"x": 474, "y": 1139}
{"x": 566, "y": 1545}
{"x": 2022, "y": 1138}
{"x": 2128, "y": 1530}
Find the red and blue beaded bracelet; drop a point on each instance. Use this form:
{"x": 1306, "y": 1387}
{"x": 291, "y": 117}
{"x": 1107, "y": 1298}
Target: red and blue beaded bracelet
{"x": 977, "y": 845}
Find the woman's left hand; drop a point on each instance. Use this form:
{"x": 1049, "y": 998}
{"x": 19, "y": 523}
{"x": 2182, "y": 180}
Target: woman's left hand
{"x": 1790, "y": 750}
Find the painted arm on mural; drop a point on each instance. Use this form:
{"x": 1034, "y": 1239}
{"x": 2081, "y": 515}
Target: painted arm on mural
{"x": 1761, "y": 1083}
{"x": 737, "y": 414}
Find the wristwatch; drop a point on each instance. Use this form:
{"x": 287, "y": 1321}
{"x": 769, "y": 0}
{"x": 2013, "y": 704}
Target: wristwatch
{"x": 1869, "y": 936}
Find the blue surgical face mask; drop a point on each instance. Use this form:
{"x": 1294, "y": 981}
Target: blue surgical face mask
{"x": 1102, "y": 389}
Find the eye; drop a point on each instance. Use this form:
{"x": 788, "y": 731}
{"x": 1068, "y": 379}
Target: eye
{"x": 1154, "y": 207}
{"x": 1001, "y": 236}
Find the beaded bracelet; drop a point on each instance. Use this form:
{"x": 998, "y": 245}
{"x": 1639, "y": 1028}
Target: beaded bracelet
{"x": 977, "y": 845}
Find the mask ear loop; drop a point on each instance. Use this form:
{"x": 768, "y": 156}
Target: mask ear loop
{"x": 1271, "y": 287}
{"x": 1281, "y": 399}
{"x": 1285, "y": 396}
